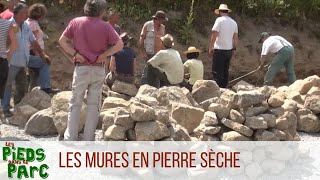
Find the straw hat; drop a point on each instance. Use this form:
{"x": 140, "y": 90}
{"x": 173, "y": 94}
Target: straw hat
{"x": 222, "y": 7}
{"x": 160, "y": 15}
{"x": 167, "y": 40}
{"x": 125, "y": 37}
{"x": 192, "y": 50}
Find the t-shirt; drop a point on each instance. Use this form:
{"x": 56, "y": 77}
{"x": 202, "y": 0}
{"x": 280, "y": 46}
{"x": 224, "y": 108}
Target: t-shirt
{"x": 226, "y": 27}
{"x": 4, "y": 30}
{"x": 34, "y": 25}
{"x": 7, "y": 14}
{"x": 169, "y": 62}
{"x": 195, "y": 69}
{"x": 91, "y": 36}
{"x": 125, "y": 61}
{"x": 273, "y": 44}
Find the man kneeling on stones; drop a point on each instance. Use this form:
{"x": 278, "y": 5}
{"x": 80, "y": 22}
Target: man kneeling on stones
{"x": 165, "y": 68}
{"x": 122, "y": 64}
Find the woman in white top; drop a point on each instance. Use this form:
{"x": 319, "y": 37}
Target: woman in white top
{"x": 193, "y": 68}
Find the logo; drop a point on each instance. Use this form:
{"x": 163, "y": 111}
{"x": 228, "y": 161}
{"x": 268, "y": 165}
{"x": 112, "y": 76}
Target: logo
{"x": 20, "y": 162}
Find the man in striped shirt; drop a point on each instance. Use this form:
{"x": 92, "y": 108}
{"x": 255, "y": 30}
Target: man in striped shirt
{"x": 6, "y": 30}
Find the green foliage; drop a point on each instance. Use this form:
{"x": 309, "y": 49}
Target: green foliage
{"x": 185, "y": 33}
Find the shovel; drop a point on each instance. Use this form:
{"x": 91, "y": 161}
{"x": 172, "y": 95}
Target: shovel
{"x": 248, "y": 74}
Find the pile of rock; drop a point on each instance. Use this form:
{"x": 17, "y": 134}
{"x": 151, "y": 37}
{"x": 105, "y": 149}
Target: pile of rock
{"x": 209, "y": 113}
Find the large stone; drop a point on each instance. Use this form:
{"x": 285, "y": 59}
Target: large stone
{"x": 60, "y": 111}
{"x": 151, "y": 131}
{"x": 312, "y": 102}
{"x": 290, "y": 105}
{"x": 122, "y": 118}
{"x": 212, "y": 130}
{"x": 314, "y": 91}
{"x": 295, "y": 96}
{"x": 22, "y": 115}
{"x": 277, "y": 99}
{"x": 227, "y": 99}
{"x": 205, "y": 89}
{"x": 269, "y": 119}
{"x": 243, "y": 86}
{"x": 116, "y": 132}
{"x": 107, "y": 118}
{"x": 220, "y": 110}
{"x": 245, "y": 99}
{"x": 263, "y": 135}
{"x": 118, "y": 95}
{"x": 41, "y": 124}
{"x": 113, "y": 102}
{"x": 142, "y": 112}
{"x": 307, "y": 121}
{"x": 37, "y": 99}
{"x": 287, "y": 120}
{"x": 255, "y": 110}
{"x": 209, "y": 119}
{"x": 124, "y": 88}
{"x": 146, "y": 90}
{"x": 280, "y": 134}
{"x": 187, "y": 116}
{"x": 256, "y": 122}
{"x": 277, "y": 111}
{"x": 237, "y": 127}
{"x": 206, "y": 104}
{"x": 267, "y": 91}
{"x": 175, "y": 94}
{"x": 236, "y": 116}
{"x": 234, "y": 136}
{"x": 190, "y": 98}
{"x": 147, "y": 100}
{"x": 303, "y": 86}
{"x": 179, "y": 133}
{"x": 163, "y": 116}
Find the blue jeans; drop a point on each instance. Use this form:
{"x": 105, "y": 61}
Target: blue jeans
{"x": 34, "y": 62}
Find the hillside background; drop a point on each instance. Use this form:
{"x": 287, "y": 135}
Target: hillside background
{"x": 190, "y": 23}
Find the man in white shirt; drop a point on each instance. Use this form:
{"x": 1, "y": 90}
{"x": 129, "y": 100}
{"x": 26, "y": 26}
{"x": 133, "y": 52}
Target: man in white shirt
{"x": 166, "y": 66}
{"x": 284, "y": 57}
{"x": 224, "y": 40}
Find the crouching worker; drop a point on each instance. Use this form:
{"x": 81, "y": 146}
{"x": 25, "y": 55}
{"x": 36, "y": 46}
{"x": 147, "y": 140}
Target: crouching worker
{"x": 193, "y": 68}
{"x": 166, "y": 66}
{"x": 122, "y": 64}
{"x": 85, "y": 38}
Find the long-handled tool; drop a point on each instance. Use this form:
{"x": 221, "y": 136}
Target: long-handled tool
{"x": 65, "y": 54}
{"x": 243, "y": 76}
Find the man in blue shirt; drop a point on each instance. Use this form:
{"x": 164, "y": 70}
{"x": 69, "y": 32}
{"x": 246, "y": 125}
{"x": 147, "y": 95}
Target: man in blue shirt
{"x": 21, "y": 58}
{"x": 122, "y": 64}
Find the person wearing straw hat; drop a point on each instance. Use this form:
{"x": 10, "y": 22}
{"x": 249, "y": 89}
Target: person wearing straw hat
{"x": 223, "y": 43}
{"x": 165, "y": 68}
{"x": 284, "y": 57}
{"x": 150, "y": 42}
{"x": 122, "y": 64}
{"x": 193, "y": 68}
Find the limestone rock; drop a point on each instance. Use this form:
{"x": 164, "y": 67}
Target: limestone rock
{"x": 280, "y": 134}
{"x": 221, "y": 111}
{"x": 237, "y": 127}
{"x": 113, "y": 102}
{"x": 269, "y": 119}
{"x": 236, "y": 116}
{"x": 212, "y": 130}
{"x": 151, "y": 131}
{"x": 312, "y": 102}
{"x": 277, "y": 99}
{"x": 205, "y": 89}
{"x": 124, "y": 88}
{"x": 187, "y": 116}
{"x": 107, "y": 118}
{"x": 209, "y": 119}
{"x": 295, "y": 96}
{"x": 147, "y": 100}
{"x": 147, "y": 90}
{"x": 142, "y": 112}
{"x": 243, "y": 86}
{"x": 179, "y": 133}
{"x": 189, "y": 97}
{"x": 227, "y": 99}
{"x": 176, "y": 95}
{"x": 256, "y": 110}
{"x": 122, "y": 118}
{"x": 287, "y": 120}
{"x": 37, "y": 99}
{"x": 303, "y": 86}
{"x": 277, "y": 111}
{"x": 22, "y": 115}
{"x": 248, "y": 98}
{"x": 256, "y": 122}
{"x": 116, "y": 132}
{"x": 290, "y": 105}
{"x": 314, "y": 91}
{"x": 118, "y": 95}
{"x": 205, "y": 104}
{"x": 163, "y": 116}
{"x": 41, "y": 124}
{"x": 234, "y": 136}
{"x": 263, "y": 135}
{"x": 163, "y": 98}
{"x": 307, "y": 121}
